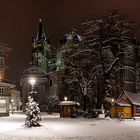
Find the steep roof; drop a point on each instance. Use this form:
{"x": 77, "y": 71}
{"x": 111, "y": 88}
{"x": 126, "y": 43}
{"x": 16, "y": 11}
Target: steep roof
{"x": 40, "y": 33}
{"x": 133, "y": 97}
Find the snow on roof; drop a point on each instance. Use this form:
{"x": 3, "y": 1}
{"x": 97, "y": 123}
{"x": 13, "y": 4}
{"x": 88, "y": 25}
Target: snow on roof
{"x": 133, "y": 97}
{"x": 34, "y": 70}
{"x": 4, "y": 47}
{"x": 69, "y": 103}
{"x": 73, "y": 36}
{"x": 4, "y": 84}
{"x": 123, "y": 104}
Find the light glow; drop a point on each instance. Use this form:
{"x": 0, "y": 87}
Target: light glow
{"x": 65, "y": 98}
{"x": 32, "y": 81}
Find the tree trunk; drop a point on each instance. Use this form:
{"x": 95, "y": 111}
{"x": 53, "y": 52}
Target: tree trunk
{"x": 84, "y": 91}
{"x": 84, "y": 102}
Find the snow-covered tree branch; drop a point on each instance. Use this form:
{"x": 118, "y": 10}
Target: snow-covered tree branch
{"x": 112, "y": 37}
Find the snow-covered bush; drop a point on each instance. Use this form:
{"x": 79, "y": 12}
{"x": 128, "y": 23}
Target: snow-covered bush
{"x": 52, "y": 103}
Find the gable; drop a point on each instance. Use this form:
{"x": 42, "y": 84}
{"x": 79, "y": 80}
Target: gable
{"x": 123, "y": 98}
{"x": 128, "y": 97}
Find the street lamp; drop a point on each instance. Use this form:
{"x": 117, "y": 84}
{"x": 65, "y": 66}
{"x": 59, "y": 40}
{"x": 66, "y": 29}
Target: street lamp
{"x": 65, "y": 98}
{"x": 12, "y": 102}
{"x": 32, "y": 81}
{"x": 112, "y": 100}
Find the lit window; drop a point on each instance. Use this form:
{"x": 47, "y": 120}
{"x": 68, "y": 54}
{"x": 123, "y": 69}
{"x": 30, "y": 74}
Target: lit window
{"x": 1, "y": 61}
{"x": 1, "y": 90}
{"x": 137, "y": 109}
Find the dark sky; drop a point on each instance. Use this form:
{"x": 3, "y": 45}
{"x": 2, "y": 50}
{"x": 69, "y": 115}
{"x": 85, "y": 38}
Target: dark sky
{"x": 19, "y": 22}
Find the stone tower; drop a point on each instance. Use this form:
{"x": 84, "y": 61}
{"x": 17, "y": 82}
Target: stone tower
{"x": 41, "y": 49}
{"x": 38, "y": 70}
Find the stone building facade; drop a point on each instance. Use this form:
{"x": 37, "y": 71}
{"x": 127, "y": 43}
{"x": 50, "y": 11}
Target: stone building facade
{"x": 5, "y": 87}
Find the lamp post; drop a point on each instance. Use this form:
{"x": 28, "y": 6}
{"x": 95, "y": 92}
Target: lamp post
{"x": 12, "y": 102}
{"x": 32, "y": 110}
{"x": 32, "y": 81}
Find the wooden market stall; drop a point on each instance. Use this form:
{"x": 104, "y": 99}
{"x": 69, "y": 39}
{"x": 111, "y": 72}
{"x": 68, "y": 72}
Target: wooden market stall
{"x": 128, "y": 104}
{"x": 67, "y": 108}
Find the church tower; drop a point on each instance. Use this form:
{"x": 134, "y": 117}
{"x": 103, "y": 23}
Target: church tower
{"x": 41, "y": 49}
{"x": 40, "y": 57}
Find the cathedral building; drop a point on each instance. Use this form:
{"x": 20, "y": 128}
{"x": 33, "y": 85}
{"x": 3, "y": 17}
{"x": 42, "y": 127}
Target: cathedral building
{"x": 50, "y": 74}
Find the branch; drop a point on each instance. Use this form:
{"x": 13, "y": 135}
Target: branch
{"x": 82, "y": 51}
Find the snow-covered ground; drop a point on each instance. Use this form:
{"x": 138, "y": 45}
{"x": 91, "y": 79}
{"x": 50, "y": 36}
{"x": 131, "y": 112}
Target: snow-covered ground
{"x": 55, "y": 128}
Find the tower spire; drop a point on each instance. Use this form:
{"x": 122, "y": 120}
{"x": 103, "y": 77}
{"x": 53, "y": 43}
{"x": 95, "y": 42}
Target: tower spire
{"x": 40, "y": 33}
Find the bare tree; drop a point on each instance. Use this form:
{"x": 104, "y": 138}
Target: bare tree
{"x": 98, "y": 57}
{"x": 110, "y": 37}
{"x": 81, "y": 68}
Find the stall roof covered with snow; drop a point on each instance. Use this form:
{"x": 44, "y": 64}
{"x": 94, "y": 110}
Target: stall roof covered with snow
{"x": 128, "y": 103}
{"x": 67, "y": 108}
{"x": 69, "y": 103}
{"x": 129, "y": 97}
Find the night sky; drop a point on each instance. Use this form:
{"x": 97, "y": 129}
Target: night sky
{"x": 19, "y": 22}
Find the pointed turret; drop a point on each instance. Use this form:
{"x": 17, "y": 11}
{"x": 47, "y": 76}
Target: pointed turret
{"x": 40, "y": 34}
{"x": 40, "y": 49}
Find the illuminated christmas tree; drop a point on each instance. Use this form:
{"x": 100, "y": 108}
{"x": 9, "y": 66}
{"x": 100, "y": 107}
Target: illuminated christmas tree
{"x": 33, "y": 113}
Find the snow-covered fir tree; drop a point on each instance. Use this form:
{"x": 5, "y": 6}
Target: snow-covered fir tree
{"x": 33, "y": 113}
